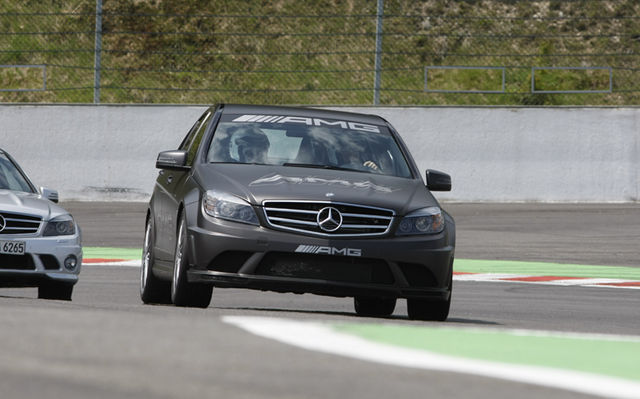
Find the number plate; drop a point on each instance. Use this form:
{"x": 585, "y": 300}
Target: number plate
{"x": 12, "y": 247}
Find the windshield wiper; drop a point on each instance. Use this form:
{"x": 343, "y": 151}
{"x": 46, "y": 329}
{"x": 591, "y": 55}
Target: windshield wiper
{"x": 316, "y": 166}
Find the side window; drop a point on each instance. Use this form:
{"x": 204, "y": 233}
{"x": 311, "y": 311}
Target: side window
{"x": 189, "y": 137}
{"x": 186, "y": 142}
{"x": 196, "y": 138}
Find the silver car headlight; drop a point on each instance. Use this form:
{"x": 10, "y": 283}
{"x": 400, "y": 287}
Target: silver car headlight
{"x": 422, "y": 221}
{"x": 60, "y": 226}
{"x": 226, "y": 206}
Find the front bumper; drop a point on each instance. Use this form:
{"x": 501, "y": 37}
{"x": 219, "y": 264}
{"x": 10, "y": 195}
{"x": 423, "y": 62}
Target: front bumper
{"x": 229, "y": 254}
{"x": 42, "y": 262}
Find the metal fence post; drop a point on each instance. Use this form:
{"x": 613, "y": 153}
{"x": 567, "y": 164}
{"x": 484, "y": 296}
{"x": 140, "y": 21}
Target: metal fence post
{"x": 98, "y": 52}
{"x": 378, "y": 63}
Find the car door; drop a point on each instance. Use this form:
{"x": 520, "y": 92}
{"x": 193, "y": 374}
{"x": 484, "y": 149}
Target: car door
{"x": 163, "y": 199}
{"x": 175, "y": 180}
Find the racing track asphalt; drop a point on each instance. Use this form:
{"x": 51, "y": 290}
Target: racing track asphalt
{"x": 106, "y": 344}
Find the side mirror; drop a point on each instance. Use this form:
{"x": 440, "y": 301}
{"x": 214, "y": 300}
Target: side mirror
{"x": 176, "y": 160}
{"x": 51, "y": 195}
{"x": 438, "y": 181}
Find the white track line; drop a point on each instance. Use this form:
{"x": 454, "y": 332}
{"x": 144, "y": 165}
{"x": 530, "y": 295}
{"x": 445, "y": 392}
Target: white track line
{"x": 483, "y": 276}
{"x": 318, "y": 337}
{"x": 126, "y": 263}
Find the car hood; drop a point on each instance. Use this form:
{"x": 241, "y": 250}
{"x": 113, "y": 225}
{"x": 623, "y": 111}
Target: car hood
{"x": 257, "y": 183}
{"x": 29, "y": 203}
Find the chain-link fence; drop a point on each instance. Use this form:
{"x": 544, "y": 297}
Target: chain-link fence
{"x": 387, "y": 52}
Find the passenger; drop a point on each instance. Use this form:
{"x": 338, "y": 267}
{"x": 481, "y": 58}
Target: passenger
{"x": 253, "y": 145}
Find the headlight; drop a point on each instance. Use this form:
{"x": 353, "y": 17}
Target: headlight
{"x": 60, "y": 226}
{"x": 422, "y": 221}
{"x": 226, "y": 206}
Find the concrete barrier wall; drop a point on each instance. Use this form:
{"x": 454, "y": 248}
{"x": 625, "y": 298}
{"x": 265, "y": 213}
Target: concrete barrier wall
{"x": 93, "y": 152}
{"x": 527, "y": 154}
{"x": 493, "y": 154}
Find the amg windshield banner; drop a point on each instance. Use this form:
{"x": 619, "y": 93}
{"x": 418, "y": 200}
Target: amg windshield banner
{"x": 279, "y": 119}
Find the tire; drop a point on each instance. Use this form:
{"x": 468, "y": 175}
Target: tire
{"x": 374, "y": 307}
{"x": 55, "y": 290}
{"x": 184, "y": 293}
{"x": 152, "y": 289}
{"x": 430, "y": 310}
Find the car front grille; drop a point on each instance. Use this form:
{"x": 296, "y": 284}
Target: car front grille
{"x": 17, "y": 223}
{"x": 347, "y": 220}
{"x": 327, "y": 268}
{"x": 16, "y": 262}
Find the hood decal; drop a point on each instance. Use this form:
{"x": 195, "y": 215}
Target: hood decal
{"x": 281, "y": 179}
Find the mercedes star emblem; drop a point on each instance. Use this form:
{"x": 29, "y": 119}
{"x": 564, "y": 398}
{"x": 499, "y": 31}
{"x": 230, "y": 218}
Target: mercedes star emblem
{"x": 329, "y": 219}
{"x": 3, "y": 223}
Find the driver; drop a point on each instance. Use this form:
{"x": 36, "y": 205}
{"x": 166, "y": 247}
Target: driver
{"x": 252, "y": 144}
{"x": 352, "y": 158}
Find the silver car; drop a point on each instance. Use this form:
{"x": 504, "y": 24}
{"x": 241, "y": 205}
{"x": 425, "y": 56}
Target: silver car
{"x": 40, "y": 243}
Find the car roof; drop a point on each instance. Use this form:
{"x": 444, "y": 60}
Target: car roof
{"x": 303, "y": 111}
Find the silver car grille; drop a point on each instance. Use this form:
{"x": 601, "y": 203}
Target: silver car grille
{"x": 340, "y": 219}
{"x": 17, "y": 223}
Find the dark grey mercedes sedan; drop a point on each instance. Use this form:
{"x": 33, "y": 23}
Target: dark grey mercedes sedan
{"x": 298, "y": 200}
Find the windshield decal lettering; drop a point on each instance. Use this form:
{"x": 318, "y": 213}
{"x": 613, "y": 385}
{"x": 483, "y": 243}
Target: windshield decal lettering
{"x": 307, "y": 121}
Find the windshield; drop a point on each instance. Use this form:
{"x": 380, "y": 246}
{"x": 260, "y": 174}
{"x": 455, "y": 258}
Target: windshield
{"x": 307, "y": 142}
{"x": 10, "y": 176}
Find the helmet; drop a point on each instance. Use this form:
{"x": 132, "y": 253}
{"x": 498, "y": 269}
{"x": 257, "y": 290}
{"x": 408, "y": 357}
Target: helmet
{"x": 252, "y": 144}
{"x": 251, "y": 136}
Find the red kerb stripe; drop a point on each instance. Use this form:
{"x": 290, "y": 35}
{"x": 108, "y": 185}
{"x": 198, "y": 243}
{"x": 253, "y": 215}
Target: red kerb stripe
{"x": 540, "y": 278}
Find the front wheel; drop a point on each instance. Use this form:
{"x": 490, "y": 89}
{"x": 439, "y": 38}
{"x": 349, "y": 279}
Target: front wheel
{"x": 374, "y": 307}
{"x": 429, "y": 309}
{"x": 152, "y": 289}
{"x": 184, "y": 293}
{"x": 55, "y": 290}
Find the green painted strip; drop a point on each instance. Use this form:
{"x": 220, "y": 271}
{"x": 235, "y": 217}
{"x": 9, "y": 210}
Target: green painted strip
{"x": 111, "y": 253}
{"x": 614, "y": 357}
{"x": 545, "y": 269}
